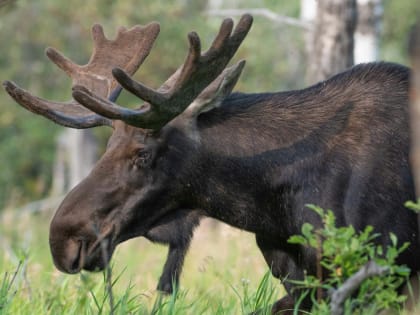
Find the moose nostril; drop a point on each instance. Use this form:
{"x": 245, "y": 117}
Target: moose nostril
{"x": 76, "y": 262}
{"x": 75, "y": 266}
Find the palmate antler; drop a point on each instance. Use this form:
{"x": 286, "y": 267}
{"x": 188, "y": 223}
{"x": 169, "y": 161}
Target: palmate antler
{"x": 195, "y": 75}
{"x": 127, "y": 51}
{"x": 95, "y": 88}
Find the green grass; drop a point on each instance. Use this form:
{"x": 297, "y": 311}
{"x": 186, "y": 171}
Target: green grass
{"x": 224, "y": 273}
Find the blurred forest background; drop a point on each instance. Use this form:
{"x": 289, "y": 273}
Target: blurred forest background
{"x": 32, "y": 147}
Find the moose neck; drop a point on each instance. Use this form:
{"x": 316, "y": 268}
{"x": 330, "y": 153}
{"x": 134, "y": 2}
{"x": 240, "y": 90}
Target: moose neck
{"x": 263, "y": 157}
{"x": 256, "y": 150}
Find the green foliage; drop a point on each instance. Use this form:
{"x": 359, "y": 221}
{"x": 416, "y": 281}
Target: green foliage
{"x": 398, "y": 18}
{"x": 342, "y": 251}
{"x": 415, "y": 206}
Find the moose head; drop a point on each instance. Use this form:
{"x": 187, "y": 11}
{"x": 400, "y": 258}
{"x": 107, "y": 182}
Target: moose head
{"x": 137, "y": 182}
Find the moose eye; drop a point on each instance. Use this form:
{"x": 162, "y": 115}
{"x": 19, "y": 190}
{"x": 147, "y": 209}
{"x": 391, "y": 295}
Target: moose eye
{"x": 143, "y": 158}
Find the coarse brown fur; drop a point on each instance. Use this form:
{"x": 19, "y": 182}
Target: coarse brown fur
{"x": 254, "y": 163}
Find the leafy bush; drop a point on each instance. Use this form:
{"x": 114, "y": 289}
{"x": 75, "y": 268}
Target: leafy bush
{"x": 415, "y": 206}
{"x": 342, "y": 251}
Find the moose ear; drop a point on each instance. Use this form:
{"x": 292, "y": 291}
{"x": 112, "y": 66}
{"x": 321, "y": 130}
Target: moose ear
{"x": 213, "y": 96}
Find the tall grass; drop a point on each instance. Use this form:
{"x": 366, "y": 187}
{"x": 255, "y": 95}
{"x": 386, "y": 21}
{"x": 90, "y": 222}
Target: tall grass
{"x": 224, "y": 273}
{"x": 7, "y": 291}
{"x": 87, "y": 294}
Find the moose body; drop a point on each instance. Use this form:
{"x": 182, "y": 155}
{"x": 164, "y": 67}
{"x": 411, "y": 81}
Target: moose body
{"x": 342, "y": 144}
{"x": 253, "y": 161}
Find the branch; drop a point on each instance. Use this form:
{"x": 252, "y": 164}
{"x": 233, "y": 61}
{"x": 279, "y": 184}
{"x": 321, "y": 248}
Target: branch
{"x": 280, "y": 19}
{"x": 339, "y": 295}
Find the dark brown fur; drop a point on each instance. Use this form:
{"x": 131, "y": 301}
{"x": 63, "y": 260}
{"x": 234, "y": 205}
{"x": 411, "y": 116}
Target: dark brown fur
{"x": 254, "y": 163}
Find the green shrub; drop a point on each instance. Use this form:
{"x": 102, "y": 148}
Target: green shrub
{"x": 341, "y": 252}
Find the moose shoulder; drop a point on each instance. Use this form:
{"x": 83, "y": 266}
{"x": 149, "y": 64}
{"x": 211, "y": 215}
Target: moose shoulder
{"x": 251, "y": 160}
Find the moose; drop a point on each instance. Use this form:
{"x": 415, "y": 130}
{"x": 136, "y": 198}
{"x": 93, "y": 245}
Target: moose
{"x": 196, "y": 149}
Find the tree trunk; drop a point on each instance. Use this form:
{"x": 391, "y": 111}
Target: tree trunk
{"x": 82, "y": 150}
{"x": 332, "y": 40}
{"x": 59, "y": 175}
{"x": 366, "y": 36}
{"x": 308, "y": 13}
{"x": 76, "y": 154}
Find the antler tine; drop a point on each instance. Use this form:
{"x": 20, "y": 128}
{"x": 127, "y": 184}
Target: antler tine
{"x": 209, "y": 98}
{"x": 61, "y": 61}
{"x": 70, "y": 114}
{"x": 197, "y": 72}
{"x": 224, "y": 83}
{"x": 213, "y": 95}
{"x": 137, "y": 88}
{"x": 127, "y": 51}
{"x": 224, "y": 33}
{"x": 156, "y": 97}
{"x": 109, "y": 109}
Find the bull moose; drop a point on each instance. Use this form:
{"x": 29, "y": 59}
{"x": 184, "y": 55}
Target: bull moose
{"x": 195, "y": 149}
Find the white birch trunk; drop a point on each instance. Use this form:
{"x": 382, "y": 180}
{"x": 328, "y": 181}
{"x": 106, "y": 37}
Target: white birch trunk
{"x": 332, "y": 40}
{"x": 82, "y": 152}
{"x": 366, "y": 36}
{"x": 76, "y": 155}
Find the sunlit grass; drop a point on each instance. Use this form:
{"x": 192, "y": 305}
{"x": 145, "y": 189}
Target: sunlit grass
{"x": 224, "y": 273}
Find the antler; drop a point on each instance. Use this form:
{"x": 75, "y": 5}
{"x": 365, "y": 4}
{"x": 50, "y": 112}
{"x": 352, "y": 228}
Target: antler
{"x": 214, "y": 94}
{"x": 127, "y": 51}
{"x": 197, "y": 72}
